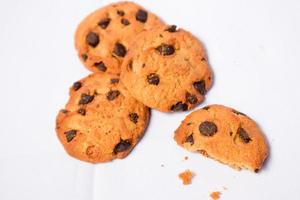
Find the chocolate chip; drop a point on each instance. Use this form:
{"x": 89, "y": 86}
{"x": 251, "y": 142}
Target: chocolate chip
{"x": 141, "y": 16}
{"x": 92, "y": 39}
{"x": 119, "y": 50}
{"x": 125, "y": 22}
{"x": 64, "y": 111}
{"x": 200, "y": 87}
{"x": 153, "y": 79}
{"x": 104, "y": 23}
{"x": 243, "y": 135}
{"x": 70, "y": 135}
{"x": 120, "y": 12}
{"x": 179, "y": 106}
{"x": 111, "y": 95}
{"x": 85, "y": 99}
{"x": 256, "y": 170}
{"x": 230, "y": 133}
{"x": 171, "y": 29}
{"x": 123, "y": 145}
{"x": 84, "y": 57}
{"x": 165, "y": 49}
{"x": 203, "y": 59}
{"x": 203, "y": 152}
{"x": 130, "y": 64}
{"x": 190, "y": 139}
{"x": 133, "y": 117}
{"x": 207, "y": 128}
{"x": 238, "y": 113}
{"x": 82, "y": 111}
{"x": 101, "y": 66}
{"x": 76, "y": 86}
{"x": 114, "y": 80}
{"x": 206, "y": 108}
{"x": 192, "y": 99}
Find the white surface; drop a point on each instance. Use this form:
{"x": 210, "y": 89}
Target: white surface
{"x": 253, "y": 48}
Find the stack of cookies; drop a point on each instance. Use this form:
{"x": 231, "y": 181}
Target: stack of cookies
{"x": 137, "y": 63}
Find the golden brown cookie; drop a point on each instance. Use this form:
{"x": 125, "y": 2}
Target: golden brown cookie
{"x": 101, "y": 120}
{"x": 102, "y": 38}
{"x": 167, "y": 69}
{"x": 224, "y": 134}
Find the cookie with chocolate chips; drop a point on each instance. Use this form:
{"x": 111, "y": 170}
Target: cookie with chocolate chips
{"x": 102, "y": 39}
{"x": 101, "y": 120}
{"x": 224, "y": 134}
{"x": 167, "y": 69}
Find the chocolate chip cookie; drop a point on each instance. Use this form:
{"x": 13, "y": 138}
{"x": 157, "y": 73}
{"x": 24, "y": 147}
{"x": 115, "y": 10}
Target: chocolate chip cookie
{"x": 102, "y": 38}
{"x": 167, "y": 69}
{"x": 101, "y": 120}
{"x": 224, "y": 134}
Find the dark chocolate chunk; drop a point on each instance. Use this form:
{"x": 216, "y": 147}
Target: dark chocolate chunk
{"x": 153, "y": 79}
{"x": 192, "y": 99}
{"x": 85, "y": 99}
{"x": 171, "y": 28}
{"x": 104, "y": 23}
{"x": 243, "y": 135}
{"x": 200, "y": 87}
{"x": 190, "y": 139}
{"x": 70, "y": 135}
{"x": 125, "y": 22}
{"x": 123, "y": 145}
{"x": 207, "y": 128}
{"x": 111, "y": 95}
{"x": 82, "y": 111}
{"x": 77, "y": 85}
{"x": 165, "y": 49}
{"x": 119, "y": 50}
{"x": 133, "y": 117}
{"x": 141, "y": 16}
{"x": 92, "y": 39}
{"x": 179, "y": 106}
{"x": 101, "y": 66}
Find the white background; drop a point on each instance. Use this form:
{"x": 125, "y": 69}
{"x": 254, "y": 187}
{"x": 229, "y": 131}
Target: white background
{"x": 254, "y": 50}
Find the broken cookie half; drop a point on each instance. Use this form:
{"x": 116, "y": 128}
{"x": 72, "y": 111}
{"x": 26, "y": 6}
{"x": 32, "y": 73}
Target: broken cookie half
{"x": 224, "y": 134}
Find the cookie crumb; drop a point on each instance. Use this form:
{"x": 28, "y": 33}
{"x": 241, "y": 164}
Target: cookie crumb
{"x": 162, "y": 165}
{"x": 225, "y": 188}
{"x": 215, "y": 195}
{"x": 186, "y": 158}
{"x": 186, "y": 176}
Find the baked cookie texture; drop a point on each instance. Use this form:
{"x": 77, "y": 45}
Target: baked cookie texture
{"x": 101, "y": 120}
{"x": 224, "y": 134}
{"x": 102, "y": 38}
{"x": 167, "y": 69}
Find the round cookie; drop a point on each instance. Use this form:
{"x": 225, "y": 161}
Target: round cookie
{"x": 224, "y": 134}
{"x": 102, "y": 38}
{"x": 167, "y": 69}
{"x": 101, "y": 120}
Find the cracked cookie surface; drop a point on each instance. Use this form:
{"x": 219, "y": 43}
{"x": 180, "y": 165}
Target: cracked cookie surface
{"x": 224, "y": 134}
{"x": 101, "y": 120}
{"x": 102, "y": 39}
{"x": 167, "y": 69}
